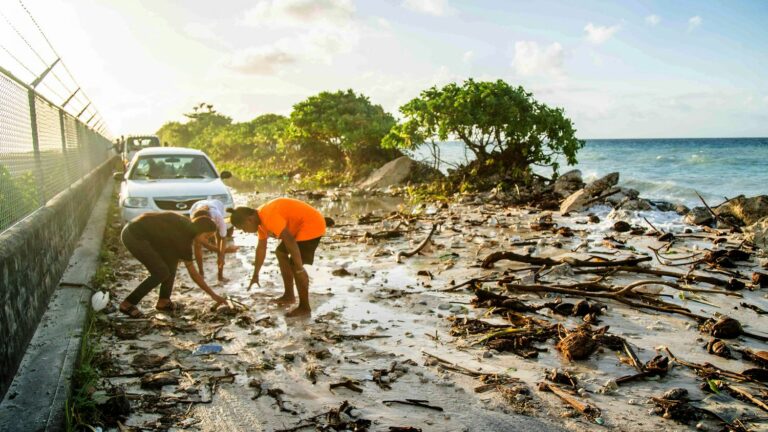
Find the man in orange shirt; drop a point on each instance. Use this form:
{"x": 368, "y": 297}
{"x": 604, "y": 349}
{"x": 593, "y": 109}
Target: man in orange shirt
{"x": 300, "y": 227}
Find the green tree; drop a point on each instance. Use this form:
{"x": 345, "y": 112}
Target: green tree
{"x": 503, "y": 126}
{"x": 175, "y": 134}
{"x": 343, "y": 124}
{"x": 260, "y": 138}
{"x": 203, "y": 124}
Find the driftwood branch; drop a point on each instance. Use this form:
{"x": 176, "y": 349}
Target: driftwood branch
{"x": 620, "y": 296}
{"x": 498, "y": 256}
{"x": 422, "y": 245}
{"x": 716, "y": 216}
{"x": 584, "y": 408}
{"x": 682, "y": 276}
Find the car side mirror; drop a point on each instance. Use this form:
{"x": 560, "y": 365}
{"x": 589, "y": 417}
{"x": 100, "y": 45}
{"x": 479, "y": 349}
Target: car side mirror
{"x": 225, "y": 175}
{"x": 118, "y": 175}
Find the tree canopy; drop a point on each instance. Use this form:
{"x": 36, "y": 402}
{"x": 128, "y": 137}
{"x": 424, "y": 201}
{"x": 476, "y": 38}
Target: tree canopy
{"x": 329, "y": 136}
{"x": 345, "y": 121}
{"x": 503, "y": 126}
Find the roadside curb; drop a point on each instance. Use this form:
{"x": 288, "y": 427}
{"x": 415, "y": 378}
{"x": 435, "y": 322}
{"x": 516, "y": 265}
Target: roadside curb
{"x": 36, "y": 398}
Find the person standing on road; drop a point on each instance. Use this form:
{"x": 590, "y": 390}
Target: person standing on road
{"x": 300, "y": 228}
{"x": 159, "y": 240}
{"x": 214, "y": 209}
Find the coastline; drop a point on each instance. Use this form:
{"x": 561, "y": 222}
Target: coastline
{"x": 376, "y": 313}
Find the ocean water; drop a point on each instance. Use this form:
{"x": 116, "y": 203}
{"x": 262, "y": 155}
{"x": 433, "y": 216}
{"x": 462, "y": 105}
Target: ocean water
{"x": 665, "y": 169}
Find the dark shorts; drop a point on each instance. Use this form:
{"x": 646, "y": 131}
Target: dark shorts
{"x": 306, "y": 247}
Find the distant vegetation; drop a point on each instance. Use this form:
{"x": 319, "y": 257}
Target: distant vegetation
{"x": 329, "y": 138}
{"x": 334, "y": 138}
{"x": 18, "y": 196}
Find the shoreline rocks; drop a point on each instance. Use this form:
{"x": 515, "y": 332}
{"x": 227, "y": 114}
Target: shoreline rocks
{"x": 399, "y": 171}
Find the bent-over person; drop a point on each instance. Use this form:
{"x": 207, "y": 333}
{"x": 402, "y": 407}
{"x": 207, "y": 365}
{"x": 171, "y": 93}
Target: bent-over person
{"x": 159, "y": 240}
{"x": 214, "y": 209}
{"x": 300, "y": 227}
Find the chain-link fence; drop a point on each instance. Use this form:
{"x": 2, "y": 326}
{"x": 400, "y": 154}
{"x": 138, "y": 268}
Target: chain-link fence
{"x": 43, "y": 150}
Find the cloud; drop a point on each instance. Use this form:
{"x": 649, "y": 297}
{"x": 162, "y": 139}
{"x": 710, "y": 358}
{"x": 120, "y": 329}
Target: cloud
{"x": 205, "y": 33}
{"x": 468, "y": 56}
{"x": 600, "y": 34}
{"x": 298, "y": 12}
{"x": 262, "y": 60}
{"x": 320, "y": 45}
{"x": 429, "y": 7}
{"x": 531, "y": 59}
{"x": 652, "y": 20}
{"x": 384, "y": 23}
{"x": 319, "y": 29}
{"x": 694, "y": 22}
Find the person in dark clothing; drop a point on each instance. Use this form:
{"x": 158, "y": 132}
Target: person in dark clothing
{"x": 160, "y": 240}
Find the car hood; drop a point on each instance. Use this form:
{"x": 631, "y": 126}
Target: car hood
{"x": 175, "y": 188}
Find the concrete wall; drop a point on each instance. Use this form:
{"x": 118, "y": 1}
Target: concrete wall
{"x": 33, "y": 256}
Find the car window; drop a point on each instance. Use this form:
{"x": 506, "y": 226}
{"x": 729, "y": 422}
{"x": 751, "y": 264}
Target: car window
{"x": 171, "y": 167}
{"x": 138, "y": 143}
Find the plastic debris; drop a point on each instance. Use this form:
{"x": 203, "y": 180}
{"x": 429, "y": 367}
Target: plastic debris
{"x": 207, "y": 349}
{"x": 99, "y": 300}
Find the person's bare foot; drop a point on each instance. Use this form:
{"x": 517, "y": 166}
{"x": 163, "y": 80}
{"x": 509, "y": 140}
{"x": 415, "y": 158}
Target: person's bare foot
{"x": 283, "y": 300}
{"x": 299, "y": 312}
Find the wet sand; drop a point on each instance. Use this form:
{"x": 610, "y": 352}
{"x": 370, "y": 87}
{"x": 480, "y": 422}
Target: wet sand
{"x": 384, "y": 316}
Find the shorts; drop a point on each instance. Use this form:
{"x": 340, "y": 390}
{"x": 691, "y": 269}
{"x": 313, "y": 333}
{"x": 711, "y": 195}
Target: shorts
{"x": 306, "y": 248}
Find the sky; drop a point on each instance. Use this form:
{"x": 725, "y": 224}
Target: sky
{"x": 630, "y": 69}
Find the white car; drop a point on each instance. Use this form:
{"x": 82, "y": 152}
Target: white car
{"x": 169, "y": 179}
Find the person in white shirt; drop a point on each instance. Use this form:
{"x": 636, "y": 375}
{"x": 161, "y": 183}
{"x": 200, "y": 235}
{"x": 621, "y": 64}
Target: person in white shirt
{"x": 215, "y": 210}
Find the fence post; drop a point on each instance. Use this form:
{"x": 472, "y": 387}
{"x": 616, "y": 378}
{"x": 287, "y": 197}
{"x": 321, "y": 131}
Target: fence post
{"x": 64, "y": 147}
{"x": 36, "y": 148}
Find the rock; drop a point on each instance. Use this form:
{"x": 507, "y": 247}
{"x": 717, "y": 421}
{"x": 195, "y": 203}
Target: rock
{"x": 341, "y": 272}
{"x": 699, "y": 216}
{"x": 602, "y": 184}
{"x": 682, "y": 209}
{"x": 620, "y": 215}
{"x": 746, "y": 210}
{"x": 568, "y": 183}
{"x": 757, "y": 233}
{"x": 399, "y": 171}
{"x": 675, "y": 394}
{"x": 635, "y": 205}
{"x": 622, "y": 226}
{"x": 584, "y": 197}
{"x": 575, "y": 202}
{"x": 616, "y": 195}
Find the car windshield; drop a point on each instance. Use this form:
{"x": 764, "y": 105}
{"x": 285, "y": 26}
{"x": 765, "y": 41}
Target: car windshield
{"x": 172, "y": 167}
{"x": 138, "y": 143}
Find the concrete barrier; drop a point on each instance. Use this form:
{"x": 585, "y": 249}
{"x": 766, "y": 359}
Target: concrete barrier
{"x": 33, "y": 257}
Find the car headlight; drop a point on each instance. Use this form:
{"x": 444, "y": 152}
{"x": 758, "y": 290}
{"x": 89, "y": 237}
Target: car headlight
{"x": 224, "y": 198}
{"x": 136, "y": 202}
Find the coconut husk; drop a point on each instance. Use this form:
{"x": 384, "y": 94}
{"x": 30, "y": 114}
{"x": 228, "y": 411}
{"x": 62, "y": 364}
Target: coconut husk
{"x": 158, "y": 380}
{"x": 726, "y": 328}
{"x": 757, "y": 374}
{"x": 758, "y": 357}
{"x": 560, "y": 377}
{"x": 148, "y": 361}
{"x": 719, "y": 348}
{"x": 578, "y": 345}
{"x": 760, "y": 279}
{"x": 734, "y": 284}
